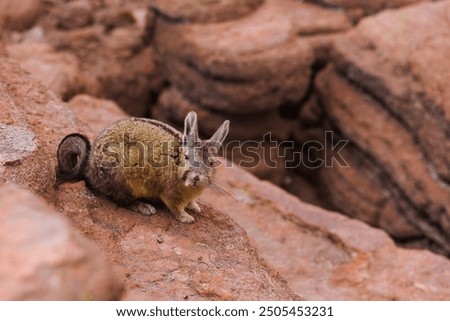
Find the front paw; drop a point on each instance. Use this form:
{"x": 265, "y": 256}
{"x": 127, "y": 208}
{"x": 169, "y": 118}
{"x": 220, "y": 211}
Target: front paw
{"x": 185, "y": 218}
{"x": 193, "y": 206}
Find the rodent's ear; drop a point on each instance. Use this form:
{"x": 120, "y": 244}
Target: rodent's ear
{"x": 190, "y": 135}
{"x": 220, "y": 135}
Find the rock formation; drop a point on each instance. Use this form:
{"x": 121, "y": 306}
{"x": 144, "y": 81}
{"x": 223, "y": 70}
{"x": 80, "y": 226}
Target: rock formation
{"x": 386, "y": 93}
{"x": 373, "y": 73}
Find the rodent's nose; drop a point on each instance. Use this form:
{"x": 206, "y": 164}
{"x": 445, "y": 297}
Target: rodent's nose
{"x": 197, "y": 180}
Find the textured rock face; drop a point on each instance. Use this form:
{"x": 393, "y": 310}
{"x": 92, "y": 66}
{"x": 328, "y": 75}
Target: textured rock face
{"x": 76, "y": 14}
{"x": 111, "y": 47}
{"x": 357, "y": 9}
{"x": 96, "y": 112}
{"x": 339, "y": 258}
{"x": 205, "y": 11}
{"x": 324, "y": 255}
{"x": 154, "y": 257}
{"x": 93, "y": 48}
{"x": 19, "y": 15}
{"x": 387, "y": 93}
{"x": 253, "y": 64}
{"x": 59, "y": 71}
{"x": 15, "y": 144}
{"x": 42, "y": 257}
{"x": 160, "y": 259}
{"x": 173, "y": 107}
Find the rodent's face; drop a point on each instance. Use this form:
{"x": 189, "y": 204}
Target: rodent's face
{"x": 197, "y": 165}
{"x": 197, "y": 157}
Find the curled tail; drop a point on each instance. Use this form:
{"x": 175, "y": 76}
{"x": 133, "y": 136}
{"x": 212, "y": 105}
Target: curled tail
{"x": 72, "y": 156}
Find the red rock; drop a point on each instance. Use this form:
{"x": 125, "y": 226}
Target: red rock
{"x": 173, "y": 107}
{"x": 124, "y": 69}
{"x": 239, "y": 95}
{"x": 357, "y": 8}
{"x": 324, "y": 255}
{"x": 19, "y": 15}
{"x": 205, "y": 11}
{"x": 253, "y": 64}
{"x": 42, "y": 257}
{"x": 59, "y": 71}
{"x": 136, "y": 85}
{"x": 96, "y": 112}
{"x": 16, "y": 143}
{"x": 120, "y": 16}
{"x": 211, "y": 260}
{"x": 76, "y": 14}
{"x": 386, "y": 93}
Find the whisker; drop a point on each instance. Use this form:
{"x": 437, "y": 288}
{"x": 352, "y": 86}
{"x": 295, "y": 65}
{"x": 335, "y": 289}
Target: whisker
{"x": 220, "y": 190}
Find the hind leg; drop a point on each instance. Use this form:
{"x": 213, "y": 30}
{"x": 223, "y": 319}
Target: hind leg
{"x": 126, "y": 200}
{"x": 143, "y": 208}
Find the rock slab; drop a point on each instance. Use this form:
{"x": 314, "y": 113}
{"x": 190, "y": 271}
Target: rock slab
{"x": 324, "y": 255}
{"x": 42, "y": 257}
{"x": 387, "y": 93}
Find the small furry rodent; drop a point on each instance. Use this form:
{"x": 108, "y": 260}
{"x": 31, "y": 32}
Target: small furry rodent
{"x": 143, "y": 159}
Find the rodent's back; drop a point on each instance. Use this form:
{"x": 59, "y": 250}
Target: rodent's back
{"x": 139, "y": 153}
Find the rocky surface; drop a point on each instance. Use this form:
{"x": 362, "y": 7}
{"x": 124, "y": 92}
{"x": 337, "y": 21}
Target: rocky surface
{"x": 19, "y": 15}
{"x": 42, "y": 256}
{"x": 96, "y": 112}
{"x": 386, "y": 93}
{"x": 295, "y": 68}
{"x": 340, "y": 258}
{"x": 358, "y": 9}
{"x": 93, "y": 48}
{"x": 15, "y": 143}
{"x": 238, "y": 66}
{"x": 154, "y": 257}
{"x": 59, "y": 71}
{"x": 204, "y": 11}
{"x": 324, "y": 255}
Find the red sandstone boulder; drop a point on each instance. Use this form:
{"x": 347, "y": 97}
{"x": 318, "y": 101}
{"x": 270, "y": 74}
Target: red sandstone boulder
{"x": 42, "y": 256}
{"x": 173, "y": 108}
{"x": 386, "y": 92}
{"x": 204, "y": 11}
{"x": 59, "y": 71}
{"x": 19, "y": 15}
{"x": 253, "y": 64}
{"x": 96, "y": 112}
{"x": 75, "y": 14}
{"x": 357, "y": 9}
{"x": 110, "y": 46}
{"x": 324, "y": 255}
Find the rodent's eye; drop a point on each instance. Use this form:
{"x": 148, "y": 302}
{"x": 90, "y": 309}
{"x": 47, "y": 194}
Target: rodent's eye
{"x": 186, "y": 157}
